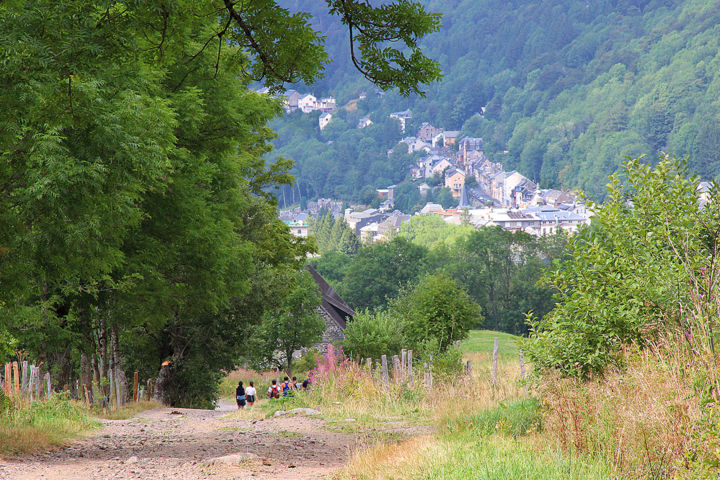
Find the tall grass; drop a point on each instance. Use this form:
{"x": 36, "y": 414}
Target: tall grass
{"x": 28, "y": 427}
{"x": 656, "y": 417}
{"x": 462, "y": 456}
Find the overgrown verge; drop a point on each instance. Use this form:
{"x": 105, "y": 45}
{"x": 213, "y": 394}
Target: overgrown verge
{"x": 30, "y": 427}
{"x": 628, "y": 362}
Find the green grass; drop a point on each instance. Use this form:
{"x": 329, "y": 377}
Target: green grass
{"x": 481, "y": 341}
{"x": 41, "y": 425}
{"x": 515, "y": 418}
{"x": 498, "y": 458}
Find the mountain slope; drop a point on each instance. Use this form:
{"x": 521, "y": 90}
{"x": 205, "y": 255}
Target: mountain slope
{"x": 569, "y": 87}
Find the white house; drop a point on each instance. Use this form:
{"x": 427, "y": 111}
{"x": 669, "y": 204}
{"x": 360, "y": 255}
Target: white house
{"x": 324, "y": 119}
{"x": 326, "y": 104}
{"x": 402, "y": 117}
{"x": 307, "y": 103}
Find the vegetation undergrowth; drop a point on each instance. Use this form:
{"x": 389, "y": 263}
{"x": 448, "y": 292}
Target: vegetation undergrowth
{"x": 28, "y": 427}
{"x": 464, "y": 455}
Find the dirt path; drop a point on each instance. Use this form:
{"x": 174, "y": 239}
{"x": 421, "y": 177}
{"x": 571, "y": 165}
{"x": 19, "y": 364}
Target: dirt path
{"x": 182, "y": 444}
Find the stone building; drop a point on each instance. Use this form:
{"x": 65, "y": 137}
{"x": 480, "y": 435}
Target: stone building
{"x": 336, "y": 313}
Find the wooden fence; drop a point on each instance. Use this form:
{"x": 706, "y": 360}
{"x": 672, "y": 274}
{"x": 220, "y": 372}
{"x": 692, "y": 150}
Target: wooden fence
{"x": 30, "y": 382}
{"x": 404, "y": 371}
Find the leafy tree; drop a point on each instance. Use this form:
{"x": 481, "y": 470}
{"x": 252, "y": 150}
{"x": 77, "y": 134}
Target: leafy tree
{"x": 332, "y": 266}
{"x": 295, "y": 324}
{"x": 629, "y": 273}
{"x": 500, "y": 271}
{"x": 378, "y": 272}
{"x": 436, "y": 313}
{"x": 135, "y": 205}
{"x": 373, "y": 334}
{"x": 430, "y": 231}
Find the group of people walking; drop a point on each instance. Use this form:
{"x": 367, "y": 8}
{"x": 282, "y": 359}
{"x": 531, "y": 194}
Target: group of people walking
{"x": 248, "y": 396}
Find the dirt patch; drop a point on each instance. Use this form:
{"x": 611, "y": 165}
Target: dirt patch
{"x": 182, "y": 444}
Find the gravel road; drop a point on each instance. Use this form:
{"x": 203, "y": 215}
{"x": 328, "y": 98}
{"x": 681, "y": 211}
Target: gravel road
{"x": 185, "y": 444}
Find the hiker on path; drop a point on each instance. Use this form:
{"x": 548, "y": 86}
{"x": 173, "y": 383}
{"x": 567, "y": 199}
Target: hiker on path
{"x": 274, "y": 390}
{"x": 240, "y": 395}
{"x": 250, "y": 394}
{"x": 286, "y": 388}
{"x": 294, "y": 384}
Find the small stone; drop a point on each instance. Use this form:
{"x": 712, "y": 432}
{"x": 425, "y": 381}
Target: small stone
{"x": 304, "y": 411}
{"x": 349, "y": 419}
{"x": 132, "y": 460}
{"x": 231, "y": 459}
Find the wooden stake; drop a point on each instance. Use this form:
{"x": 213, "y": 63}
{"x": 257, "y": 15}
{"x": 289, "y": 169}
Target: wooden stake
{"x": 24, "y": 382}
{"x": 118, "y": 399}
{"x": 410, "y": 366}
{"x": 112, "y": 388}
{"x": 468, "y": 368}
{"x": 368, "y": 364}
{"x": 31, "y": 385}
{"x": 8, "y": 379}
{"x": 16, "y": 378}
{"x": 136, "y": 384}
{"x": 385, "y": 374}
{"x": 396, "y": 368}
{"x": 49, "y": 384}
{"x": 403, "y": 362}
{"x": 495, "y": 359}
{"x": 522, "y": 370}
{"x": 38, "y": 383}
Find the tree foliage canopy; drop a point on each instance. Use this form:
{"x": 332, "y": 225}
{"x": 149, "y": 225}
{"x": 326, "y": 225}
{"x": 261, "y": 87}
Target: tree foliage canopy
{"x": 633, "y": 273}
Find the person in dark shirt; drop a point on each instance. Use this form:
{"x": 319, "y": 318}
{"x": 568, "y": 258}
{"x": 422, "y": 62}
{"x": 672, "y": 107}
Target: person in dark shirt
{"x": 240, "y": 395}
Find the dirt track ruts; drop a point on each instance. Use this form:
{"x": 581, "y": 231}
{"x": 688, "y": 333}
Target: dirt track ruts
{"x": 179, "y": 444}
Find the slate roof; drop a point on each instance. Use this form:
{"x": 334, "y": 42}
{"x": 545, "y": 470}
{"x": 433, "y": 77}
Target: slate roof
{"x": 335, "y": 306}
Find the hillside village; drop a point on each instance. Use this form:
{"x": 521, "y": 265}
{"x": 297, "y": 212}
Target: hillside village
{"x": 487, "y": 195}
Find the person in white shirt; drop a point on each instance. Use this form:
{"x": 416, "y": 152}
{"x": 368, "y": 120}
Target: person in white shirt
{"x": 250, "y": 394}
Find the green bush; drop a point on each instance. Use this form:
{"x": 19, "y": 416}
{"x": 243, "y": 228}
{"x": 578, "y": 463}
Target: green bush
{"x": 58, "y": 414}
{"x": 306, "y": 362}
{"x": 373, "y": 334}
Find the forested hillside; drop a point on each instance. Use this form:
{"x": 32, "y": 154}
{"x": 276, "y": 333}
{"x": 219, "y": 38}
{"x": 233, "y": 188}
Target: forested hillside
{"x": 568, "y": 87}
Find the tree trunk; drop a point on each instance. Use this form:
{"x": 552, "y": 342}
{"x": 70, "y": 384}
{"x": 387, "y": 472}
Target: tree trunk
{"x": 86, "y": 376}
{"x": 120, "y": 379}
{"x": 102, "y": 363}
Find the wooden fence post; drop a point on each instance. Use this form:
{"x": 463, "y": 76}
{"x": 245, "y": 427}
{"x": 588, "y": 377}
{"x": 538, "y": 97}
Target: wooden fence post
{"x": 136, "y": 381}
{"x": 49, "y": 384}
{"x": 522, "y": 369}
{"x": 368, "y": 364}
{"x": 16, "y": 378}
{"x": 150, "y": 389}
{"x": 410, "y": 366}
{"x": 430, "y": 373}
{"x": 112, "y": 388}
{"x": 468, "y": 368}
{"x": 31, "y": 384}
{"x": 396, "y": 368}
{"x": 38, "y": 383}
{"x": 495, "y": 359}
{"x": 403, "y": 363}
{"x": 117, "y": 388}
{"x": 385, "y": 374}
{"x": 8, "y": 379}
{"x": 24, "y": 383}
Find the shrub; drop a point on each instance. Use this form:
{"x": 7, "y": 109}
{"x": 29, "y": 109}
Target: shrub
{"x": 436, "y": 308}
{"x": 373, "y": 334}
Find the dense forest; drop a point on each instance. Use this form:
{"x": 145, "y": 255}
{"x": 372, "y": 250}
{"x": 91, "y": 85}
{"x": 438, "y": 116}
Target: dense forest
{"x": 561, "y": 90}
